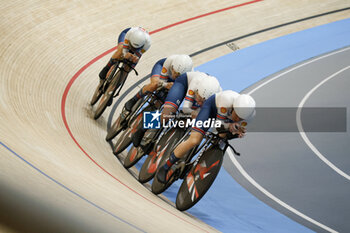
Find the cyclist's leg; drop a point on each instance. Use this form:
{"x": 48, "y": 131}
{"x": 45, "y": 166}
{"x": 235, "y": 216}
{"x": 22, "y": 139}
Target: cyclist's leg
{"x": 168, "y": 108}
{"x": 174, "y": 98}
{"x": 156, "y": 71}
{"x": 141, "y": 93}
{"x": 114, "y": 59}
{"x": 208, "y": 111}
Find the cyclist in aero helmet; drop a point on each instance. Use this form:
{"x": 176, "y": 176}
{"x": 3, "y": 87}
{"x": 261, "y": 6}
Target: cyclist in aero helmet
{"x": 230, "y": 108}
{"x": 186, "y": 88}
{"x": 164, "y": 73}
{"x": 132, "y": 43}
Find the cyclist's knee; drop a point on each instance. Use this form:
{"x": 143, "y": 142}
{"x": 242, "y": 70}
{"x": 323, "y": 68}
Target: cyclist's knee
{"x": 168, "y": 110}
{"x": 194, "y": 139}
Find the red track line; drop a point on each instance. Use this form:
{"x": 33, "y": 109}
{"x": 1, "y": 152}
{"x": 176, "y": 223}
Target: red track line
{"x": 203, "y": 15}
{"x": 76, "y": 75}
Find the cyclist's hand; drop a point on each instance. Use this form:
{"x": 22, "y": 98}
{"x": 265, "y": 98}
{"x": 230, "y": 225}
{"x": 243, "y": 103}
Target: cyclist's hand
{"x": 236, "y": 128}
{"x": 127, "y": 56}
{"x": 135, "y": 59}
{"x": 194, "y": 114}
{"x": 131, "y": 57}
{"x": 169, "y": 85}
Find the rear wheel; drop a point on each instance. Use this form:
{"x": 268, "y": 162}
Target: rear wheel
{"x": 115, "y": 129}
{"x": 158, "y": 187}
{"x": 199, "y": 178}
{"x": 107, "y": 97}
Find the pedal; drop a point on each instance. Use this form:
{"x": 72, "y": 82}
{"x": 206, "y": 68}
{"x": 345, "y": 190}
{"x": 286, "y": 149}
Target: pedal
{"x": 183, "y": 169}
{"x": 125, "y": 113}
{"x": 175, "y": 171}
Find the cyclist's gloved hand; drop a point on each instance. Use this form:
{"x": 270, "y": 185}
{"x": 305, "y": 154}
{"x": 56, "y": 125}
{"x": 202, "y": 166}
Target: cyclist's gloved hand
{"x": 236, "y": 128}
{"x": 169, "y": 85}
{"x": 221, "y": 129}
{"x": 230, "y": 136}
{"x": 131, "y": 57}
{"x": 194, "y": 114}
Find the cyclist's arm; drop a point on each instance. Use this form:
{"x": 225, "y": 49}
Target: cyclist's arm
{"x": 189, "y": 98}
{"x": 145, "y": 47}
{"x": 188, "y": 103}
{"x": 126, "y": 46}
{"x": 155, "y": 82}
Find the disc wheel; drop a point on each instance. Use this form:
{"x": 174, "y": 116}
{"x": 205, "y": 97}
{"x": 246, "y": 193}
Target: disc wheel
{"x": 199, "y": 179}
{"x": 115, "y": 129}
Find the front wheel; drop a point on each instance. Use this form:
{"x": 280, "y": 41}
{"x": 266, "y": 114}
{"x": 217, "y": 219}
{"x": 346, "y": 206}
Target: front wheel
{"x": 199, "y": 178}
{"x": 125, "y": 138}
{"x": 149, "y": 167}
{"x": 134, "y": 155}
{"x": 158, "y": 187}
{"x": 115, "y": 129}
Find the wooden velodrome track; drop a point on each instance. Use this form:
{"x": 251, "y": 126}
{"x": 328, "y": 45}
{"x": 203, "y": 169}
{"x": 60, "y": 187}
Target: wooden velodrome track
{"x": 57, "y": 173}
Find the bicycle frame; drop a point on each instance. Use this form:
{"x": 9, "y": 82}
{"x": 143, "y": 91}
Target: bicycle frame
{"x": 210, "y": 140}
{"x": 151, "y": 99}
{"x": 125, "y": 68}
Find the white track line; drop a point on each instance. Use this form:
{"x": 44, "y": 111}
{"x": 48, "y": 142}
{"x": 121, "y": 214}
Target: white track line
{"x": 296, "y": 67}
{"x": 252, "y": 181}
{"x": 274, "y": 198}
{"x": 303, "y": 134}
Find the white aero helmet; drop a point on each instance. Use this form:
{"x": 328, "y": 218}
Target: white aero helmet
{"x": 182, "y": 63}
{"x": 244, "y": 106}
{"x": 208, "y": 86}
{"x": 137, "y": 38}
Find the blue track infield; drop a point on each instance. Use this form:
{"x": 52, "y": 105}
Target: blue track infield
{"x": 227, "y": 206}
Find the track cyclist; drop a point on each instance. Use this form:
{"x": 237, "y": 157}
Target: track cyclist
{"x": 132, "y": 44}
{"x": 231, "y": 108}
{"x": 191, "y": 87}
{"x": 164, "y": 72}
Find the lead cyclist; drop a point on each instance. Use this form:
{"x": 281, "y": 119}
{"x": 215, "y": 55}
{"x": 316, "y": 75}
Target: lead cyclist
{"x": 230, "y": 108}
{"x": 132, "y": 44}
